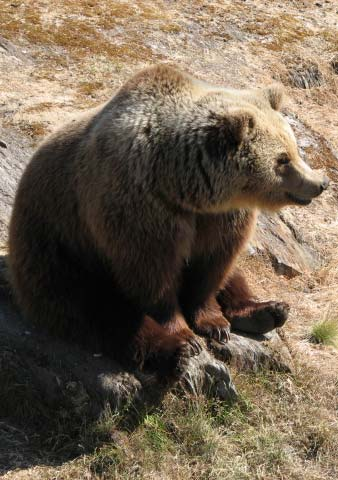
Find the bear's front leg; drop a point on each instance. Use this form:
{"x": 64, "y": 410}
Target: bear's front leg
{"x": 151, "y": 337}
{"x": 146, "y": 260}
{"x": 201, "y": 281}
{"x": 168, "y": 315}
{"x": 163, "y": 342}
{"x": 209, "y": 321}
{"x": 166, "y": 352}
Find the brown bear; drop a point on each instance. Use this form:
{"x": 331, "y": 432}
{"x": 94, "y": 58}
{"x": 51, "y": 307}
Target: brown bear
{"x": 127, "y": 222}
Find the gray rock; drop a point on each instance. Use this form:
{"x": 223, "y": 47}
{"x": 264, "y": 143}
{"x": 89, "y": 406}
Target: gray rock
{"x": 278, "y": 237}
{"x": 15, "y": 152}
{"x": 254, "y": 352}
{"x": 334, "y": 64}
{"x": 304, "y": 74}
{"x": 207, "y": 375}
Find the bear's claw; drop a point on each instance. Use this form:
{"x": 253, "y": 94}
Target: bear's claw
{"x": 192, "y": 342}
{"x": 182, "y": 357}
{"x": 195, "y": 346}
{"x": 180, "y": 360}
{"x": 219, "y": 333}
{"x": 222, "y": 334}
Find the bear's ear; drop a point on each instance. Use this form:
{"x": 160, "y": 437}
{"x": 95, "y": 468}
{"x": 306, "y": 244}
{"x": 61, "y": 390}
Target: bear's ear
{"x": 228, "y": 130}
{"x": 239, "y": 125}
{"x": 274, "y": 94}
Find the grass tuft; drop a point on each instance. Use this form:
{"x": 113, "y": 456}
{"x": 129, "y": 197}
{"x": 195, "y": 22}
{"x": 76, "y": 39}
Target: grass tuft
{"x": 325, "y": 332}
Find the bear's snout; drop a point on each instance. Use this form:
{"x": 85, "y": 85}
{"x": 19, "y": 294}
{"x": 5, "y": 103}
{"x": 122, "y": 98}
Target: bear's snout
{"x": 325, "y": 183}
{"x": 304, "y": 184}
{"x": 313, "y": 187}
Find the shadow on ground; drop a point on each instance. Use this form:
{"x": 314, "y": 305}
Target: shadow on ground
{"x": 53, "y": 393}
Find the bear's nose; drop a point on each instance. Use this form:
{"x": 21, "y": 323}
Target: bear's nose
{"x": 324, "y": 184}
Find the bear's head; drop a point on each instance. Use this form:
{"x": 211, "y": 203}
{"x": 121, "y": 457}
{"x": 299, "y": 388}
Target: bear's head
{"x": 258, "y": 153}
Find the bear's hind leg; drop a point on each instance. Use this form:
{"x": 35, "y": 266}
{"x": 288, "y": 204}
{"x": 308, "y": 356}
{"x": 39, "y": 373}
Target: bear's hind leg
{"x": 246, "y": 314}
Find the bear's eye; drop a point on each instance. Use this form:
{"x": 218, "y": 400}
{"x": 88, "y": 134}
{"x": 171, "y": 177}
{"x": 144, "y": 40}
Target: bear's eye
{"x": 283, "y": 159}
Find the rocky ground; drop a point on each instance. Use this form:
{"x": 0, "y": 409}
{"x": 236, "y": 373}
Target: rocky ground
{"x": 62, "y": 57}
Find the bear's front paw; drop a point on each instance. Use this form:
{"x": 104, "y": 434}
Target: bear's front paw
{"x": 171, "y": 358}
{"x": 193, "y": 344}
{"x": 270, "y": 316}
{"x": 212, "y": 324}
{"x": 171, "y": 364}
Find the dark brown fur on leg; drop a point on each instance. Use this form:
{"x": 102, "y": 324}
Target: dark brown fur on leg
{"x": 157, "y": 349}
{"x": 177, "y": 326}
{"x": 246, "y": 314}
{"x": 201, "y": 281}
{"x": 162, "y": 341}
{"x": 219, "y": 240}
{"x": 209, "y": 321}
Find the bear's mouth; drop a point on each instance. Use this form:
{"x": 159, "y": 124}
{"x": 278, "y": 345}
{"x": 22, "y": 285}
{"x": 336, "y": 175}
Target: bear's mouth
{"x": 299, "y": 200}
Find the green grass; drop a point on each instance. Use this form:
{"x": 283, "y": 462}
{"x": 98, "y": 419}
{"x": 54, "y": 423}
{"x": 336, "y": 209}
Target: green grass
{"x": 325, "y": 332}
{"x": 269, "y": 434}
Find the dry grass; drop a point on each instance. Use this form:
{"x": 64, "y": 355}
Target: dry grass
{"x": 281, "y": 30}
{"x": 78, "y": 27}
{"x": 34, "y": 130}
{"x": 269, "y": 434}
{"x": 40, "y": 107}
{"x": 90, "y": 88}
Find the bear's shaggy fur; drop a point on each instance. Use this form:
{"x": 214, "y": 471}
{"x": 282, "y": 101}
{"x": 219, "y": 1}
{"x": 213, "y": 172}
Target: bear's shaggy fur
{"x": 127, "y": 222}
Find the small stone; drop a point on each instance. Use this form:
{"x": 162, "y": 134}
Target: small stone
{"x": 334, "y": 63}
{"x": 305, "y": 76}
